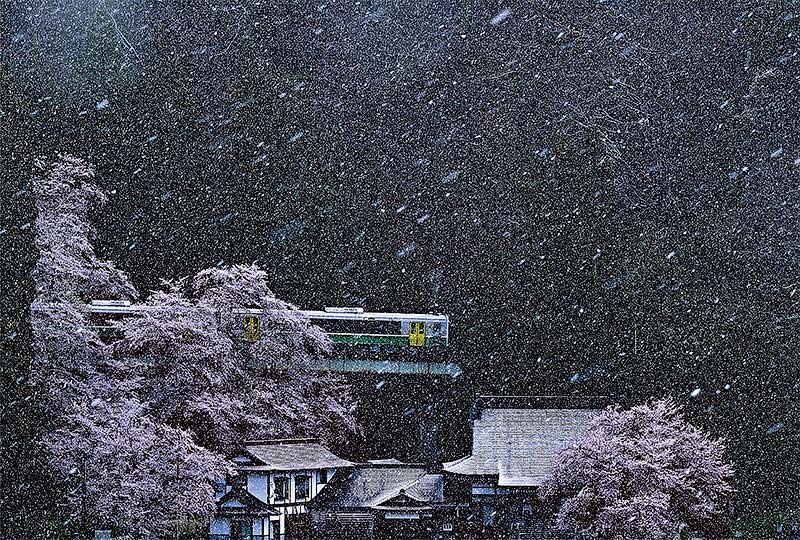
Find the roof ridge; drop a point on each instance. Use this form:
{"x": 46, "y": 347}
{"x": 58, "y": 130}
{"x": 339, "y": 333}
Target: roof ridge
{"x": 456, "y": 461}
{"x": 401, "y": 490}
{"x": 263, "y": 442}
{"x": 400, "y": 465}
{"x": 416, "y": 481}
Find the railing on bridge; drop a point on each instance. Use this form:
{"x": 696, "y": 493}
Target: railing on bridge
{"x": 229, "y": 537}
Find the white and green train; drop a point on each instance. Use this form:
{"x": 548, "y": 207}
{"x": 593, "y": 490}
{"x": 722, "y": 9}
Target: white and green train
{"x": 353, "y": 326}
{"x": 346, "y": 326}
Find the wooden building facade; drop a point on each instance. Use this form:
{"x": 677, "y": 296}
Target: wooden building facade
{"x": 275, "y": 482}
{"x": 379, "y": 500}
{"x": 297, "y": 489}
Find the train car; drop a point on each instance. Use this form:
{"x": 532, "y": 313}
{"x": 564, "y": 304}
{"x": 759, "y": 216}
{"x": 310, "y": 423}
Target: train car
{"x": 343, "y": 325}
{"x": 355, "y": 327}
{"x": 402, "y": 343}
{"x": 103, "y": 312}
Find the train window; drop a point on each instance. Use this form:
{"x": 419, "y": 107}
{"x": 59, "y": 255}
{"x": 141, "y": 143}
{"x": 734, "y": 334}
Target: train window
{"x": 341, "y": 326}
{"x": 437, "y": 327}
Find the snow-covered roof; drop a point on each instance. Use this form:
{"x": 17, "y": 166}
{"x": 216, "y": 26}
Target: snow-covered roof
{"x": 428, "y": 489}
{"x": 372, "y": 485}
{"x": 239, "y": 501}
{"x": 519, "y": 445}
{"x": 288, "y": 455}
{"x": 386, "y": 461}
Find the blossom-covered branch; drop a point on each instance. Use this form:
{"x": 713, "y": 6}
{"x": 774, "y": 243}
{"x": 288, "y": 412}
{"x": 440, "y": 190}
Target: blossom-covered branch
{"x": 643, "y": 473}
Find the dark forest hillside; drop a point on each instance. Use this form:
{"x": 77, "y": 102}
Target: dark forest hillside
{"x": 603, "y": 195}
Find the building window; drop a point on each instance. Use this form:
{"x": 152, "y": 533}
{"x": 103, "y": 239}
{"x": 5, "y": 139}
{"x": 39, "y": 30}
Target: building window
{"x": 281, "y": 488}
{"x": 301, "y": 487}
{"x": 488, "y": 516}
{"x": 323, "y": 476}
{"x": 241, "y": 530}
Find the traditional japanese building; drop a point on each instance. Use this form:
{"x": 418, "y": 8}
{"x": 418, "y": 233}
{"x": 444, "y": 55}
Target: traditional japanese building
{"x": 275, "y": 482}
{"x": 297, "y": 489}
{"x": 515, "y": 443}
{"x": 381, "y": 499}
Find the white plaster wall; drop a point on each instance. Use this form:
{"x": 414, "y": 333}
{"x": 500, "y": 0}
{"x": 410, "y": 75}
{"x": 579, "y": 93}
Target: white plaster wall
{"x": 257, "y": 485}
{"x": 220, "y": 526}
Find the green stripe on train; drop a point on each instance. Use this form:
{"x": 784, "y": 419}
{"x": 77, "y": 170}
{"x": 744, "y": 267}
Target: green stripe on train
{"x": 349, "y": 339}
{"x": 368, "y": 339}
{"x": 108, "y": 332}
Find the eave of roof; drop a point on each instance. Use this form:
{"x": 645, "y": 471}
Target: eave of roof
{"x": 518, "y": 446}
{"x": 290, "y": 455}
{"x": 404, "y": 508}
{"x": 253, "y": 505}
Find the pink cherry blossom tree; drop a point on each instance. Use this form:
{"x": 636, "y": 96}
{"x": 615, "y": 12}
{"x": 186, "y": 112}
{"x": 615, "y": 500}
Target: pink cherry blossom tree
{"x": 188, "y": 346}
{"x": 642, "y": 473}
{"x": 115, "y": 462}
{"x": 68, "y": 267}
{"x": 141, "y": 427}
{"x": 289, "y": 337}
{"x": 126, "y": 471}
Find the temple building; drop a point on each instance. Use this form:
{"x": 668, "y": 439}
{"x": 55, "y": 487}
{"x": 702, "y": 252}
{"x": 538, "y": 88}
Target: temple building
{"x": 275, "y": 482}
{"x": 381, "y": 499}
{"x": 297, "y": 489}
{"x": 515, "y": 442}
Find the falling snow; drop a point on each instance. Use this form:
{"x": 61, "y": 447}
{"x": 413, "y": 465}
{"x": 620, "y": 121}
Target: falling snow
{"x": 501, "y": 17}
{"x": 602, "y": 200}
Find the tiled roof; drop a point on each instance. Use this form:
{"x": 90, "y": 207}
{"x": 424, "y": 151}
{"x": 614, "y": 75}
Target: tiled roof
{"x": 240, "y": 501}
{"x": 370, "y": 485}
{"x": 519, "y": 446}
{"x": 291, "y": 455}
{"x": 427, "y": 489}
